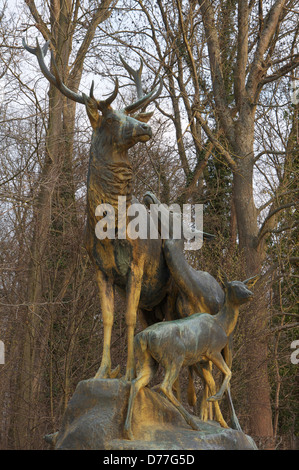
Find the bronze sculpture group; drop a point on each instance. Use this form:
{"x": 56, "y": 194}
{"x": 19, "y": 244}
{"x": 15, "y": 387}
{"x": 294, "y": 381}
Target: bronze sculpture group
{"x": 153, "y": 274}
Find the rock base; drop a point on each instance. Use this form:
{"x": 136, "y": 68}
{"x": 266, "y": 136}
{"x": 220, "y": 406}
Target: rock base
{"x": 95, "y": 416}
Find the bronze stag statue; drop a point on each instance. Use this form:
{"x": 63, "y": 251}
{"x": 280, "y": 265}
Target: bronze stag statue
{"x": 136, "y": 266}
{"x": 145, "y": 272}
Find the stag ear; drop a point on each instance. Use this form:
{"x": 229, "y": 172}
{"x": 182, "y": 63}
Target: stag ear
{"x": 143, "y": 117}
{"x": 92, "y": 111}
{"x": 250, "y": 282}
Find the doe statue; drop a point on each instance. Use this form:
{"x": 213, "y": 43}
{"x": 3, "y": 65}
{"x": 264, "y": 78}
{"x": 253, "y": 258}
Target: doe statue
{"x": 193, "y": 291}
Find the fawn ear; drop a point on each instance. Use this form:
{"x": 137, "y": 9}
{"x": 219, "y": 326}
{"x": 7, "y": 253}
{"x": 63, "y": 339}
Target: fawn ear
{"x": 250, "y": 282}
{"x": 223, "y": 278}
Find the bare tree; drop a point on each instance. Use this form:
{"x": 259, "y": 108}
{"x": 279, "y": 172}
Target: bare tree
{"x": 54, "y": 244}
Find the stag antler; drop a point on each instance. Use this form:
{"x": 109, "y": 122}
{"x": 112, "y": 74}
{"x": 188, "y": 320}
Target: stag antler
{"x": 40, "y": 53}
{"x": 143, "y": 100}
{"x": 54, "y": 79}
{"x": 135, "y": 75}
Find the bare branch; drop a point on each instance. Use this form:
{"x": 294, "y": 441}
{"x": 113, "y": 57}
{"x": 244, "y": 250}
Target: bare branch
{"x": 267, "y": 225}
{"x": 282, "y": 71}
{"x": 242, "y": 53}
{"x": 189, "y": 52}
{"x": 270, "y": 201}
{"x": 103, "y": 12}
{"x": 258, "y": 67}
{"x": 287, "y": 326}
{"x": 215, "y": 141}
{"x": 40, "y": 24}
{"x": 216, "y": 67}
{"x": 267, "y": 152}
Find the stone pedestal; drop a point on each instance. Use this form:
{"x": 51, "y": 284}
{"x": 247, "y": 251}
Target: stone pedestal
{"x": 96, "y": 413}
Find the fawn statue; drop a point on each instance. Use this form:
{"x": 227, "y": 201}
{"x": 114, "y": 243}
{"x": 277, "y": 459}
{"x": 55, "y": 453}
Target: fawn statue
{"x": 186, "y": 342}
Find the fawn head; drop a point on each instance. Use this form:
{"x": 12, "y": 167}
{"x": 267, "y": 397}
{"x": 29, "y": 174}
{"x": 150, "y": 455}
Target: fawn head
{"x": 238, "y": 292}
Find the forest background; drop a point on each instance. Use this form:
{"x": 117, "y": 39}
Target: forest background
{"x": 225, "y": 135}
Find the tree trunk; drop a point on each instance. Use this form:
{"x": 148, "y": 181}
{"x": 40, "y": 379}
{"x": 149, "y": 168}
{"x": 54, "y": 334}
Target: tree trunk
{"x": 257, "y": 384}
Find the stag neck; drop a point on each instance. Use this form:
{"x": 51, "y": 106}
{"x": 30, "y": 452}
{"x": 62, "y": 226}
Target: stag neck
{"x": 109, "y": 176}
{"x": 106, "y": 152}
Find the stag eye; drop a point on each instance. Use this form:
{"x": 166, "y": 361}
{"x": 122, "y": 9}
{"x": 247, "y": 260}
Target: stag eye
{"x": 109, "y": 121}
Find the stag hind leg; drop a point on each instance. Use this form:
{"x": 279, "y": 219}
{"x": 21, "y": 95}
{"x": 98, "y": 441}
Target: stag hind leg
{"x": 202, "y": 369}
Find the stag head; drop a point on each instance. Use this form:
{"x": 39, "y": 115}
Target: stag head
{"x": 126, "y": 127}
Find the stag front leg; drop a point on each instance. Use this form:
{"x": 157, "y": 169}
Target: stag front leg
{"x": 133, "y": 296}
{"x": 107, "y": 305}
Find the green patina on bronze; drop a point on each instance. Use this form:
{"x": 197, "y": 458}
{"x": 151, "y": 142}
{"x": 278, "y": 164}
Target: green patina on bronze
{"x": 189, "y": 341}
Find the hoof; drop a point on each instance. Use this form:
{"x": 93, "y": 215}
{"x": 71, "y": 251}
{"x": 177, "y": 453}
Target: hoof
{"x": 195, "y": 426}
{"x": 106, "y": 373}
{"x": 115, "y": 373}
{"x": 214, "y": 398}
{"x": 130, "y": 375}
{"x": 222, "y": 423}
{"x": 128, "y": 435}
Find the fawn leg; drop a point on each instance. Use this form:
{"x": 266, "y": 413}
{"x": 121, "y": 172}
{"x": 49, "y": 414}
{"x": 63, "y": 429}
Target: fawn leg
{"x": 219, "y": 362}
{"x": 172, "y": 372}
{"x": 147, "y": 371}
{"x": 211, "y": 385}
